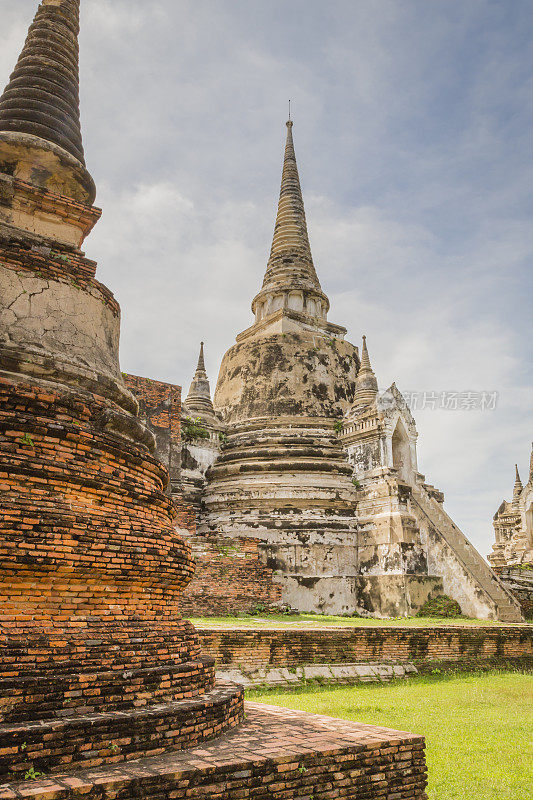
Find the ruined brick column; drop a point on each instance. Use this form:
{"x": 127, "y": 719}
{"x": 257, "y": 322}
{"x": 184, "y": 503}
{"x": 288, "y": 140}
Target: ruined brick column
{"x": 96, "y": 665}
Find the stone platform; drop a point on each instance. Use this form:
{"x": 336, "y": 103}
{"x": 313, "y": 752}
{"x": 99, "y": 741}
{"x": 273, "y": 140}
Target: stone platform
{"x": 277, "y": 754}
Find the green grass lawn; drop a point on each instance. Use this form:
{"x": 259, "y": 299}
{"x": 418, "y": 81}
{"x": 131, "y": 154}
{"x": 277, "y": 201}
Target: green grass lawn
{"x": 323, "y": 621}
{"x": 478, "y": 727}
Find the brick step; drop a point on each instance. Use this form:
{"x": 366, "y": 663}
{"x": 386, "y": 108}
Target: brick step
{"x": 99, "y": 645}
{"x": 55, "y": 696}
{"x": 276, "y": 754}
{"x": 94, "y": 739}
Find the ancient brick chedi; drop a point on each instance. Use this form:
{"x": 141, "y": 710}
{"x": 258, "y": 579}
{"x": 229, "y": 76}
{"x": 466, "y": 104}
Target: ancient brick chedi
{"x": 91, "y": 563}
{"x": 319, "y": 467}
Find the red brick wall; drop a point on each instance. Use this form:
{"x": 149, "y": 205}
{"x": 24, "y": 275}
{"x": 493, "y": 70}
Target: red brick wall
{"x": 161, "y": 404}
{"x": 257, "y": 649}
{"x": 230, "y": 577}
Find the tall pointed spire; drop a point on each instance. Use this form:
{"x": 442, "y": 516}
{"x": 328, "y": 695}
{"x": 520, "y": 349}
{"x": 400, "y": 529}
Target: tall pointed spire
{"x": 518, "y": 488}
{"x": 366, "y": 385}
{"x": 199, "y": 398}
{"x": 39, "y": 108}
{"x": 201, "y": 359}
{"x": 42, "y": 97}
{"x": 290, "y": 267}
{"x": 365, "y": 358}
{"x": 290, "y": 257}
{"x": 531, "y": 464}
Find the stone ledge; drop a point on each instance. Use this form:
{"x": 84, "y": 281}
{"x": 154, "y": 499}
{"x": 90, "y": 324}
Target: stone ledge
{"x": 331, "y": 673}
{"x": 277, "y": 754}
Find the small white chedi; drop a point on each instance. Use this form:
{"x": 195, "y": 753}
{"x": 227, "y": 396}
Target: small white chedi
{"x": 513, "y": 526}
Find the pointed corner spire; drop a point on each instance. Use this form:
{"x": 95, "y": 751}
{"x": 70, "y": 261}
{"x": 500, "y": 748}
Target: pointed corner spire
{"x": 531, "y": 464}
{"x": 39, "y": 108}
{"x": 199, "y": 397}
{"x": 518, "y": 488}
{"x": 201, "y": 360}
{"x": 366, "y": 385}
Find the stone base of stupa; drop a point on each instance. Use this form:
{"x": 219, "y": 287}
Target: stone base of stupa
{"x": 276, "y": 754}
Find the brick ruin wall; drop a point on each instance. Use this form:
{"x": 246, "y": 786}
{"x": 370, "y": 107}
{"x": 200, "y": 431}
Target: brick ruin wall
{"x": 160, "y": 404}
{"x": 463, "y": 647}
{"x": 230, "y": 573}
{"x": 230, "y": 577}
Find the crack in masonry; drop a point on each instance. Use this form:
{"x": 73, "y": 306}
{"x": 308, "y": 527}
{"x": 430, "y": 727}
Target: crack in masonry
{"x": 30, "y": 296}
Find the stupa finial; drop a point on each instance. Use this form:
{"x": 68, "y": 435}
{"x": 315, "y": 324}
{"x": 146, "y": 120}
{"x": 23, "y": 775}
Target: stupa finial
{"x": 199, "y": 397}
{"x": 201, "y": 360}
{"x": 290, "y": 260}
{"x": 40, "y": 130}
{"x": 42, "y": 96}
{"x": 366, "y": 385}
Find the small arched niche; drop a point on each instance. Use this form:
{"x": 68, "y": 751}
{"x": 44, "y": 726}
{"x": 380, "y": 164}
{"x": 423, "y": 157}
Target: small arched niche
{"x": 401, "y": 452}
{"x": 277, "y": 302}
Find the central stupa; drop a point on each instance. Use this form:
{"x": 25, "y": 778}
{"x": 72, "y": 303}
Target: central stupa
{"x": 282, "y": 391}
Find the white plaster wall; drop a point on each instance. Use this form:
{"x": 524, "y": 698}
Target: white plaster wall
{"x": 58, "y": 318}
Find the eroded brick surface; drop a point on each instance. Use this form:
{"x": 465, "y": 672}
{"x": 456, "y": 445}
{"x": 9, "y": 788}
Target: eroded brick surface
{"x": 276, "y": 754}
{"x": 465, "y": 647}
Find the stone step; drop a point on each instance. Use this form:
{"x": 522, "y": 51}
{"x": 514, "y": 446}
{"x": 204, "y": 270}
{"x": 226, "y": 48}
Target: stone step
{"x": 508, "y": 608}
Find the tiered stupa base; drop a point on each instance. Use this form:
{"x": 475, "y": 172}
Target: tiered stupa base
{"x": 106, "y": 693}
{"x": 276, "y": 754}
{"x": 96, "y": 666}
{"x": 285, "y": 482}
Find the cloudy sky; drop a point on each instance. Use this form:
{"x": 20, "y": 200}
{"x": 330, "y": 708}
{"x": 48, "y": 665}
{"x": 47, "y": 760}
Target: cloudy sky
{"x": 413, "y": 134}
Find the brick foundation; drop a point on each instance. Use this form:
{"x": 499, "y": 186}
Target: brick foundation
{"x": 276, "y": 754}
